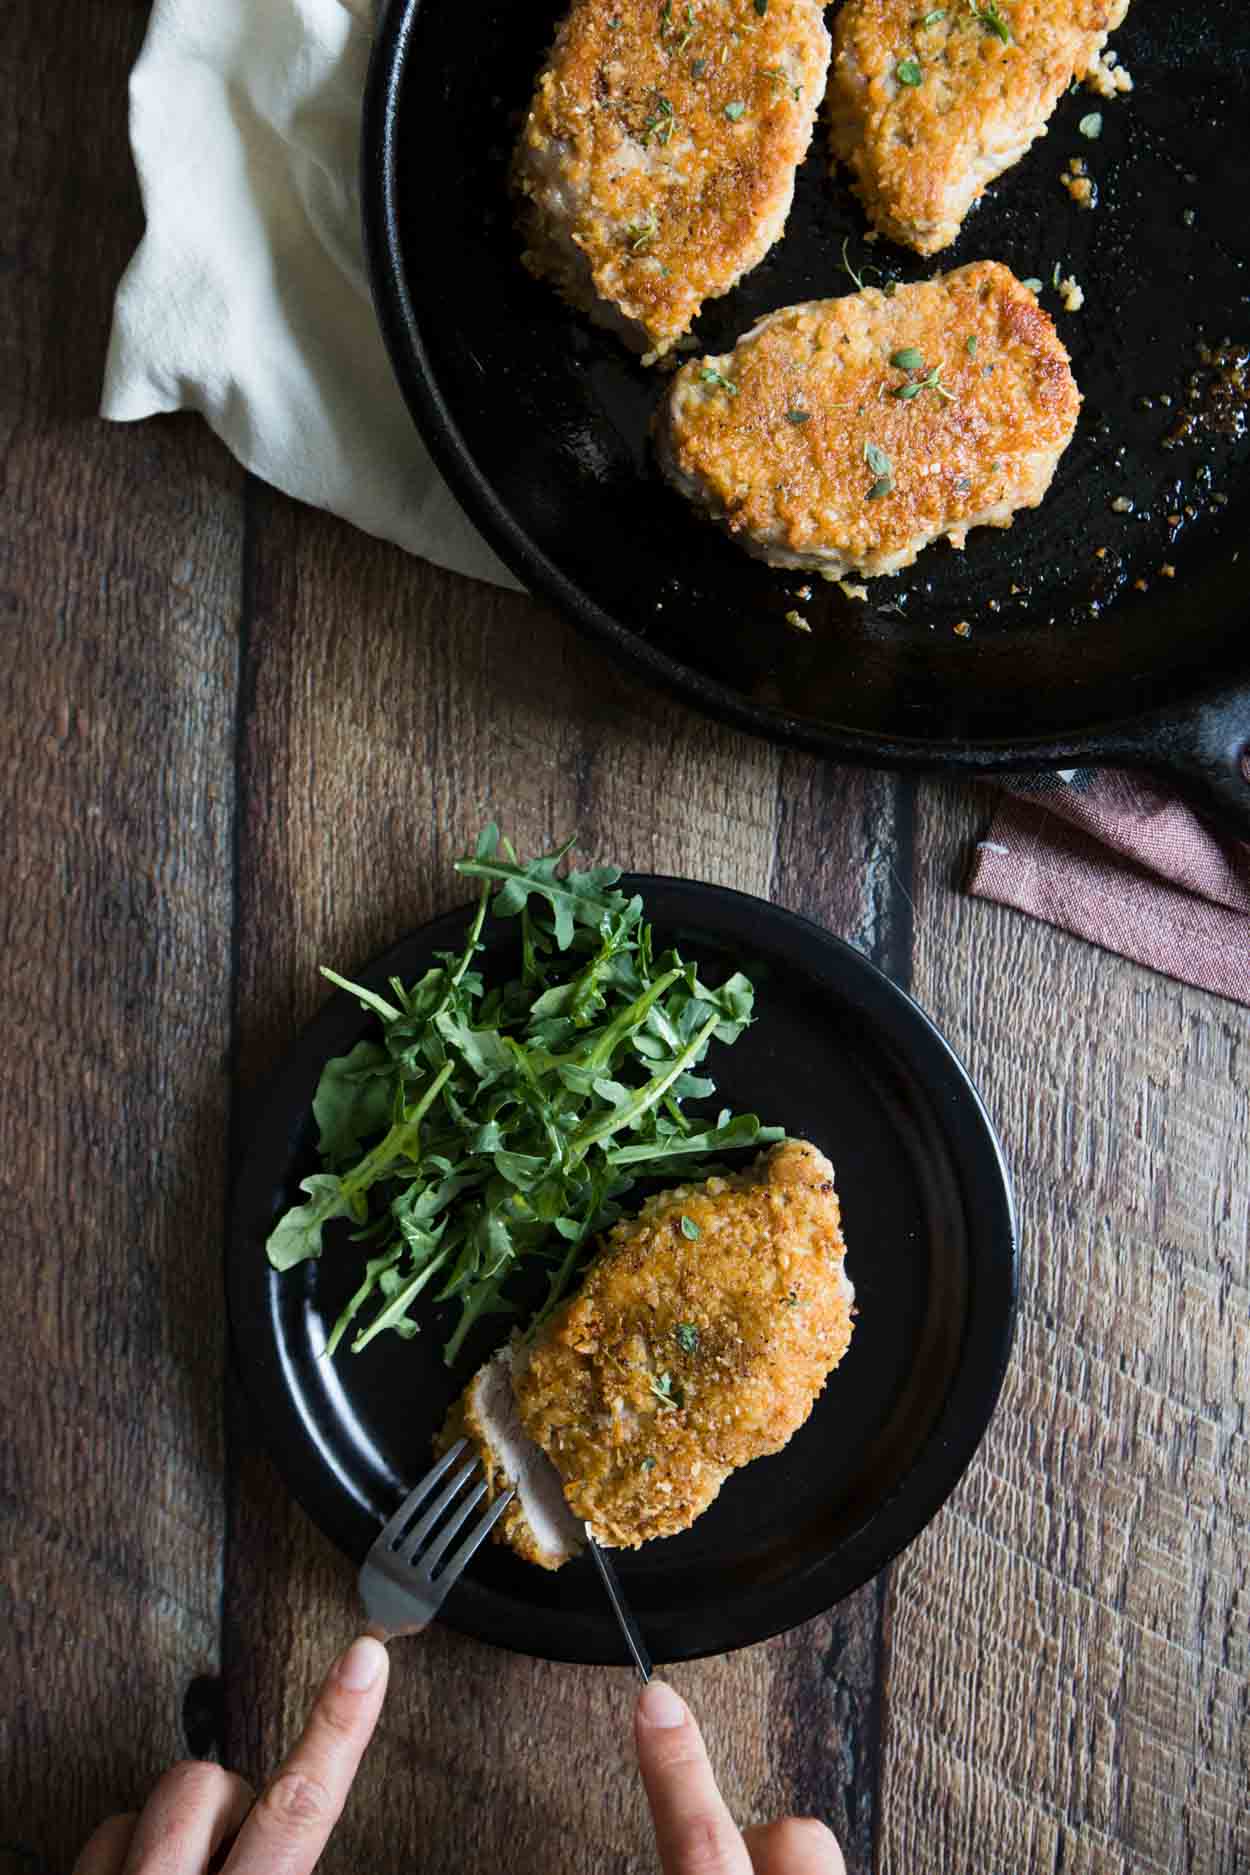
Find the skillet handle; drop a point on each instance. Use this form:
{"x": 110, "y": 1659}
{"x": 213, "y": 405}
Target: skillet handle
{"x": 1206, "y": 753}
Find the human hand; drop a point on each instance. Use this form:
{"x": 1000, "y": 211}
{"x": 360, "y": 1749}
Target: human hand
{"x": 694, "y": 1831}
{"x": 188, "y": 1823}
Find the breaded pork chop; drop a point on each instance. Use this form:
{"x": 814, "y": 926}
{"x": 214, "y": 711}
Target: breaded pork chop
{"x": 700, "y": 1340}
{"x": 846, "y": 435}
{"x": 928, "y": 105}
{"x": 656, "y": 165}
{"x": 694, "y": 1346}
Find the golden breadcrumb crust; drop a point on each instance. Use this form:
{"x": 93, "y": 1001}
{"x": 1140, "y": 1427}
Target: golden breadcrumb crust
{"x": 922, "y": 153}
{"x": 667, "y": 135}
{"x": 792, "y": 455}
{"x": 686, "y": 1355}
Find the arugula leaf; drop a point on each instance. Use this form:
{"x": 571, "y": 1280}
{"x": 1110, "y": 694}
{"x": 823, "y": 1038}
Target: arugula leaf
{"x": 482, "y": 1299}
{"x": 743, "y": 1130}
{"x": 366, "y": 998}
{"x": 401, "y": 1142}
{"x": 483, "y": 1125}
{"x": 392, "y": 1316}
{"x": 373, "y": 1272}
{"x": 623, "y": 1114}
{"x": 353, "y": 1101}
{"x": 297, "y": 1235}
{"x": 484, "y": 1050}
{"x": 577, "y": 897}
{"x": 425, "y": 1204}
{"x": 523, "y": 1169}
{"x": 735, "y": 1003}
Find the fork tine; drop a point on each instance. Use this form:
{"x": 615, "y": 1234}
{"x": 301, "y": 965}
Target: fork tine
{"x": 476, "y": 1537}
{"x": 397, "y": 1584}
{"x": 441, "y": 1542}
{"x": 392, "y": 1531}
{"x": 408, "y": 1548}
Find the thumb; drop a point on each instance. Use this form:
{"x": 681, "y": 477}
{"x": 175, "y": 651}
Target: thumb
{"x": 694, "y": 1831}
{"x": 797, "y": 1845}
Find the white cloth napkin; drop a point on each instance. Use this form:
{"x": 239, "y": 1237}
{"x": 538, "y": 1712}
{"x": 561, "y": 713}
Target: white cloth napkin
{"x": 247, "y": 298}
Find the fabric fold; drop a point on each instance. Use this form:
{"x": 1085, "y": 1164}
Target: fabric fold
{"x": 247, "y": 297}
{"x": 1112, "y": 858}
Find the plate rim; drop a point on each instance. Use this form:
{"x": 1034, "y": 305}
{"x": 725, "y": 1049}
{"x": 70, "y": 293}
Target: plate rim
{"x": 947, "y": 1450}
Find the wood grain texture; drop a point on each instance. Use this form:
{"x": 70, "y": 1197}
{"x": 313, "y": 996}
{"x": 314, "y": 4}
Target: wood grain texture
{"x": 389, "y": 709}
{"x": 118, "y": 585}
{"x": 1068, "y": 1661}
{"x": 1056, "y": 1677}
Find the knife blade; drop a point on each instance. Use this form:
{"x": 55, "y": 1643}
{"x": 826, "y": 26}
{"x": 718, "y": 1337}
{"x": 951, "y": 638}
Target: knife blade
{"x": 620, "y": 1608}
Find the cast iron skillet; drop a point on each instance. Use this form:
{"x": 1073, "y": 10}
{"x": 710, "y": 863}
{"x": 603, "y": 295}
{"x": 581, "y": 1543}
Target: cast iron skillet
{"x": 837, "y": 1054}
{"x": 540, "y": 424}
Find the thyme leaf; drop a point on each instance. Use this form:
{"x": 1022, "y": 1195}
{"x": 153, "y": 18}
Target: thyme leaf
{"x": 987, "y": 12}
{"x": 931, "y": 382}
{"x": 666, "y": 1393}
{"x": 661, "y": 122}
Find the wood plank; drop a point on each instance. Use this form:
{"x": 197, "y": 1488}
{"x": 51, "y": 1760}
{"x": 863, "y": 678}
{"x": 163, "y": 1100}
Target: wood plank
{"x": 390, "y": 709}
{"x": 1069, "y": 1643}
{"x": 118, "y": 582}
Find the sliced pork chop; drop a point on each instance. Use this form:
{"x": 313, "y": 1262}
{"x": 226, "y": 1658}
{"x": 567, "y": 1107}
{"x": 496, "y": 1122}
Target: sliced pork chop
{"x": 700, "y": 1339}
{"x": 928, "y": 105}
{"x": 538, "y": 1523}
{"x": 845, "y": 435}
{"x": 656, "y": 165}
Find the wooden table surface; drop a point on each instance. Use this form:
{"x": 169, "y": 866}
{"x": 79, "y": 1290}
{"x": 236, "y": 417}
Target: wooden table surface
{"x": 237, "y": 739}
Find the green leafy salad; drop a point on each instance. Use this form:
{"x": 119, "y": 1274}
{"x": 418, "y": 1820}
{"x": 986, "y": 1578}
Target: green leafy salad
{"x": 491, "y": 1125}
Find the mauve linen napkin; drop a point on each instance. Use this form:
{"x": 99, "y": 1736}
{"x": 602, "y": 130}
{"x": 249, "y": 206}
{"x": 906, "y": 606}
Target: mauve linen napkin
{"x": 1116, "y": 859}
{"x": 247, "y": 301}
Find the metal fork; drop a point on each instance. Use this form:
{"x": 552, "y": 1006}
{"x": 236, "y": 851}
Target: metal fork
{"x": 404, "y": 1580}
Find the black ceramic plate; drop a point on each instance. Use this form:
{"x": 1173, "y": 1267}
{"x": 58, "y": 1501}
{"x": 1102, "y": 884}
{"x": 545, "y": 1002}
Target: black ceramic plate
{"x": 540, "y": 422}
{"x": 837, "y": 1055}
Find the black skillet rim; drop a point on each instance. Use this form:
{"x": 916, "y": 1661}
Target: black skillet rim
{"x": 954, "y": 1437}
{"x": 1201, "y": 739}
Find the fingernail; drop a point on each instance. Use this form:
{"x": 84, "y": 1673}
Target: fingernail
{"x": 361, "y": 1664}
{"x": 660, "y": 1705}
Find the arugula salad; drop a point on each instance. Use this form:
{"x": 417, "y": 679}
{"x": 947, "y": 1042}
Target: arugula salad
{"x": 491, "y": 1125}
